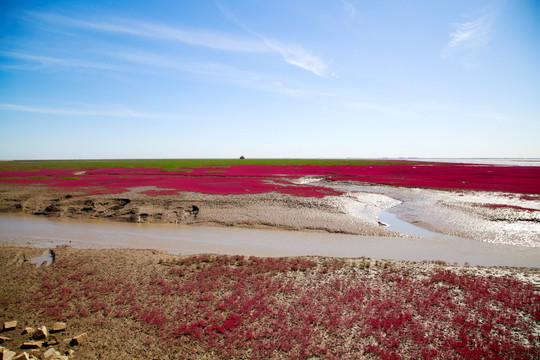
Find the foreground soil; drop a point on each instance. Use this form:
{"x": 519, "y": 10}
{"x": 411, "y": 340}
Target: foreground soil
{"x": 144, "y": 304}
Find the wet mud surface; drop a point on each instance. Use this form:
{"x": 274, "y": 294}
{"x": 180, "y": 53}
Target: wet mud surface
{"x": 488, "y": 203}
{"x": 135, "y": 206}
{"x": 494, "y": 217}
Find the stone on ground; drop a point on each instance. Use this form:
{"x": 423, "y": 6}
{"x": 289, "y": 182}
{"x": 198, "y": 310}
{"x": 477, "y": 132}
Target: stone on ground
{"x": 6, "y": 354}
{"x": 51, "y": 353}
{"x": 32, "y": 344}
{"x": 10, "y": 325}
{"x": 23, "y": 356}
{"x": 80, "y": 339}
{"x": 52, "y": 340}
{"x": 29, "y": 330}
{"x": 41, "y": 333}
{"x": 58, "y": 326}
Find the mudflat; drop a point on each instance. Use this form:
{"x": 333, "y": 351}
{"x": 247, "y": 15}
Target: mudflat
{"x": 482, "y": 202}
{"x": 505, "y": 218}
{"x": 129, "y": 304}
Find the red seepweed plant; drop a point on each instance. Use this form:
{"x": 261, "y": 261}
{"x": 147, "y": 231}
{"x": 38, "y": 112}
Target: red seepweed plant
{"x": 251, "y": 307}
{"x": 253, "y": 179}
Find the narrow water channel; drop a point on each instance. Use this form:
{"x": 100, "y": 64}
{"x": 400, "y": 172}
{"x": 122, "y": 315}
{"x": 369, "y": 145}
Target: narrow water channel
{"x": 46, "y": 233}
{"x": 394, "y": 223}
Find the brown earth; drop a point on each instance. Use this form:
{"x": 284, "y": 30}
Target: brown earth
{"x": 120, "y": 337}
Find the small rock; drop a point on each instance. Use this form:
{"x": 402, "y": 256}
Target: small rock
{"x": 23, "y": 356}
{"x": 29, "y": 330}
{"x": 3, "y": 338}
{"x": 58, "y": 326}
{"x": 79, "y": 339}
{"x": 10, "y": 325}
{"x": 36, "y": 354}
{"x": 52, "y": 340}
{"x": 70, "y": 352}
{"x": 49, "y": 353}
{"x": 7, "y": 354}
{"x": 41, "y": 333}
{"x": 32, "y": 344}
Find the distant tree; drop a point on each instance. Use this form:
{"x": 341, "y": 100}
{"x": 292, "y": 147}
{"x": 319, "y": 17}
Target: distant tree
{"x": 242, "y": 157}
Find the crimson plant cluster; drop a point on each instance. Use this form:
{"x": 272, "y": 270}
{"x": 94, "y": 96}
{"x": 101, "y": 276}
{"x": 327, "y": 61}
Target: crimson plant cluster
{"x": 248, "y": 179}
{"x": 298, "y": 308}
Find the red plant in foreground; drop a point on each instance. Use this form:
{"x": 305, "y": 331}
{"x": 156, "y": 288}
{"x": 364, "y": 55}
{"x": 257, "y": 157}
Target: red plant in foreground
{"x": 253, "y": 307}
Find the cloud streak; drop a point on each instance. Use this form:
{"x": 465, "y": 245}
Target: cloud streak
{"x": 120, "y": 112}
{"x": 48, "y": 61}
{"x": 470, "y": 35}
{"x": 215, "y": 71}
{"x": 195, "y": 37}
{"x": 296, "y": 55}
{"x": 257, "y": 43}
{"x": 292, "y": 54}
{"x": 218, "y": 72}
{"x": 349, "y": 9}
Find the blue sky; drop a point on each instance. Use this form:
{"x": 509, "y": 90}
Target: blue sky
{"x": 281, "y": 78}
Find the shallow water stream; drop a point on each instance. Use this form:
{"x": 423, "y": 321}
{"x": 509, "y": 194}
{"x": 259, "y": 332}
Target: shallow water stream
{"x": 181, "y": 239}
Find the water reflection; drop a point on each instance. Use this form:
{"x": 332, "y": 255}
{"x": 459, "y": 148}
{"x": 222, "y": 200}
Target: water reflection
{"x": 178, "y": 239}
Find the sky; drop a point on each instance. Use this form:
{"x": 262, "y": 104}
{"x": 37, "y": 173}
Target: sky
{"x": 269, "y": 79}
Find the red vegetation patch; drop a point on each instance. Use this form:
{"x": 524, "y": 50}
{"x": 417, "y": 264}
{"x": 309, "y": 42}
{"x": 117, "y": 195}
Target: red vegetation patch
{"x": 530, "y": 197}
{"x": 160, "y": 192}
{"x": 505, "y": 206}
{"x": 296, "y": 308}
{"x": 250, "y": 179}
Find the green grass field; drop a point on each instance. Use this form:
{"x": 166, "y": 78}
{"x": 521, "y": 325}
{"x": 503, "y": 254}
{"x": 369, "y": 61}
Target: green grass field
{"x": 175, "y": 163}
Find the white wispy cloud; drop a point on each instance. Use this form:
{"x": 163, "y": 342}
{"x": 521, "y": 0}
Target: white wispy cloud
{"x": 471, "y": 35}
{"x": 215, "y": 71}
{"x": 196, "y": 37}
{"x": 256, "y": 43}
{"x": 296, "y": 55}
{"x": 37, "y": 61}
{"x": 292, "y": 54}
{"x": 117, "y": 112}
{"x": 349, "y": 9}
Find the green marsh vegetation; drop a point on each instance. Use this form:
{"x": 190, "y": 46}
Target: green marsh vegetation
{"x": 174, "y": 164}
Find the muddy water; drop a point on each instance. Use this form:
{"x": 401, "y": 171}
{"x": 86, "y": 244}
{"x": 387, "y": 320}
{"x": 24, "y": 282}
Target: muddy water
{"x": 46, "y": 233}
{"x": 394, "y": 223}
